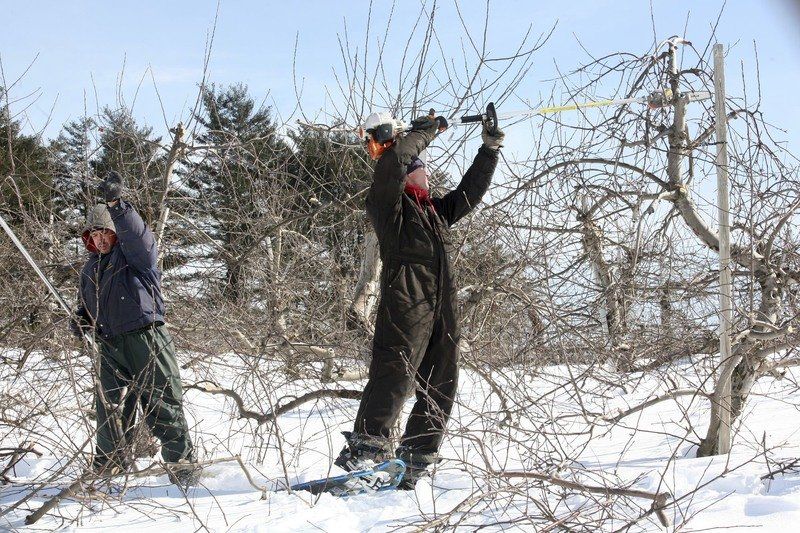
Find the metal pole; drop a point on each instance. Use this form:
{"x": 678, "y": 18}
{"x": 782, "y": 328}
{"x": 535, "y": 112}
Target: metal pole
{"x": 33, "y": 264}
{"x": 725, "y": 303}
{"x": 89, "y": 339}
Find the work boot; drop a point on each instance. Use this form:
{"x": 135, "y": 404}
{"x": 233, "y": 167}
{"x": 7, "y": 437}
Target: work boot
{"x": 361, "y": 452}
{"x": 105, "y": 466}
{"x": 417, "y": 463}
{"x": 184, "y": 473}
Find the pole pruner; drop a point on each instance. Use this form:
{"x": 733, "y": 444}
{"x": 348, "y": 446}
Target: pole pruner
{"x": 489, "y": 118}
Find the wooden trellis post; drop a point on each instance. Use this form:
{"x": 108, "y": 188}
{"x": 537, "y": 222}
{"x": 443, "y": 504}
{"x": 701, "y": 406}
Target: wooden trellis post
{"x": 725, "y": 303}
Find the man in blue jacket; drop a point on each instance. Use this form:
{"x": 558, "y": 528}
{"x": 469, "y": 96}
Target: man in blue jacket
{"x": 120, "y": 302}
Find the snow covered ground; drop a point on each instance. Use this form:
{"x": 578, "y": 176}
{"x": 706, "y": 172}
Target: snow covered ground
{"x": 553, "y": 412}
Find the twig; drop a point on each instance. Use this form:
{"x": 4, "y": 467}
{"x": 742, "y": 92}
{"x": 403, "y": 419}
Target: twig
{"x": 16, "y": 456}
{"x": 659, "y": 499}
{"x": 652, "y": 401}
{"x": 155, "y": 469}
{"x": 262, "y": 418}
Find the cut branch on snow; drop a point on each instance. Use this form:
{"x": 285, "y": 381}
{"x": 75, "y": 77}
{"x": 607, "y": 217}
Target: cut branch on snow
{"x": 659, "y": 499}
{"x": 262, "y": 418}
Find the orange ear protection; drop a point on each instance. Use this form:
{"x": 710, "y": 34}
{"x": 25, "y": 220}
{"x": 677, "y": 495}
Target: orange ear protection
{"x": 376, "y": 148}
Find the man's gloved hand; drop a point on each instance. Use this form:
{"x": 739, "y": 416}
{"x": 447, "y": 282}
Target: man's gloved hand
{"x": 492, "y": 141}
{"x": 410, "y": 146}
{"x": 111, "y": 188}
{"x": 423, "y": 123}
{"x": 429, "y": 122}
{"x": 79, "y": 326}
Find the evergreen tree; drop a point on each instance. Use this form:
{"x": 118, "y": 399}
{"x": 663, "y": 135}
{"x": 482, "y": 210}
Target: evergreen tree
{"x": 25, "y": 170}
{"x": 25, "y": 186}
{"x": 335, "y": 171}
{"x": 134, "y": 152}
{"x": 237, "y": 187}
{"x": 73, "y": 177}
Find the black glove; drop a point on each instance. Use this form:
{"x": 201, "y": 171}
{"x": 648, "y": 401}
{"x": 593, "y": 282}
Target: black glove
{"x": 492, "y": 141}
{"x": 410, "y": 146}
{"x": 423, "y": 123}
{"x": 79, "y": 326}
{"x": 429, "y": 122}
{"x": 111, "y": 188}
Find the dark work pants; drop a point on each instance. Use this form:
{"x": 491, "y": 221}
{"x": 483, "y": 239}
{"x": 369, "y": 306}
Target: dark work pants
{"x": 140, "y": 366}
{"x": 415, "y": 349}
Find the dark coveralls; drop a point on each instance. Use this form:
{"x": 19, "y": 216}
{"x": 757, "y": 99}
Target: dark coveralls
{"x": 120, "y": 295}
{"x": 417, "y": 331}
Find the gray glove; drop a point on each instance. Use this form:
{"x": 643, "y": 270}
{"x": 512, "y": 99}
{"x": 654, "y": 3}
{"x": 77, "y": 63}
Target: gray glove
{"x": 493, "y": 141}
{"x": 111, "y": 188}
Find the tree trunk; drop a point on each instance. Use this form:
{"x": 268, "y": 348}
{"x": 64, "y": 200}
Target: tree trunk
{"x": 175, "y": 152}
{"x": 365, "y": 296}
{"x": 665, "y": 305}
{"x": 592, "y": 241}
{"x": 233, "y": 283}
{"x": 746, "y": 372}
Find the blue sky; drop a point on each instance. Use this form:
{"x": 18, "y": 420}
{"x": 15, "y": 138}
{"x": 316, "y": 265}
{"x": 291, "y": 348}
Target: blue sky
{"x": 77, "y": 52}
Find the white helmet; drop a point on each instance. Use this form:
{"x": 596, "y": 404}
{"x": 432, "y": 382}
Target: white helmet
{"x": 383, "y": 127}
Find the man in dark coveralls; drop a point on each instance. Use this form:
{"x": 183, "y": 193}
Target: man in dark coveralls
{"x": 417, "y": 332}
{"x": 120, "y": 302}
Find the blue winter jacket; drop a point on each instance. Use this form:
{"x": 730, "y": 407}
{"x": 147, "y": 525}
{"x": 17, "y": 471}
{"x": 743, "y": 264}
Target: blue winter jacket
{"x": 121, "y": 291}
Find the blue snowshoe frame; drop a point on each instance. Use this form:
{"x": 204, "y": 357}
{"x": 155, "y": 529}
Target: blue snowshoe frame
{"x": 358, "y": 481}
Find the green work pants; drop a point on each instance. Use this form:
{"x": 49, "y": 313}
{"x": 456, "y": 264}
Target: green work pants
{"x": 140, "y": 366}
